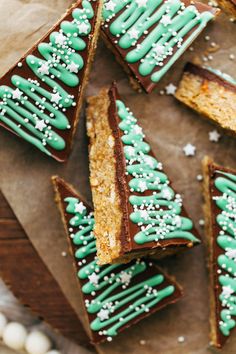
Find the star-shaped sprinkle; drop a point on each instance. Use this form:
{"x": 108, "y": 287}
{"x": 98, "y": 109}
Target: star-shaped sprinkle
{"x": 227, "y": 291}
{"x": 133, "y": 33}
{"x": 44, "y": 69}
{"x": 231, "y": 253}
{"x": 214, "y": 136}
{"x": 93, "y": 278}
{"x": 137, "y": 129}
{"x": 103, "y": 315}
{"x": 142, "y": 186}
{"x": 125, "y": 278}
{"x": 130, "y": 150}
{"x": 79, "y": 208}
{"x": 178, "y": 221}
{"x": 189, "y": 150}
{"x": 40, "y": 125}
{"x": 166, "y": 20}
{"x": 170, "y": 89}
{"x": 55, "y": 97}
{"x": 144, "y": 214}
{"x": 73, "y": 68}
{"x": 110, "y": 5}
{"x": 83, "y": 28}
{"x": 166, "y": 194}
{"x": 60, "y": 39}
{"x": 159, "y": 49}
{"x": 141, "y": 3}
{"x": 16, "y": 94}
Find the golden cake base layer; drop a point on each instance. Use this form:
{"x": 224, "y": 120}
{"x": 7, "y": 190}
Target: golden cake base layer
{"x": 209, "y": 98}
{"x": 107, "y": 203}
{"x": 228, "y": 7}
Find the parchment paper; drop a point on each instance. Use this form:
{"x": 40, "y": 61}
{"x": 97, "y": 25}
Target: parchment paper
{"x": 169, "y": 126}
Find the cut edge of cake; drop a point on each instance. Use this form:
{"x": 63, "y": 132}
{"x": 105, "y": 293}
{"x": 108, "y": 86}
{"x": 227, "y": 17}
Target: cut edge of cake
{"x": 110, "y": 188}
{"x": 206, "y": 91}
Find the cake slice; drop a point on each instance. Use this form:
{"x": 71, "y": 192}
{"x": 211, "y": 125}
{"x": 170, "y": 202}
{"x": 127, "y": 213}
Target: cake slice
{"x": 229, "y": 6}
{"x": 115, "y": 296}
{"x": 137, "y": 212}
{"x": 27, "y": 276}
{"x": 211, "y": 93}
{"x": 148, "y": 36}
{"x": 41, "y": 96}
{"x": 220, "y": 216}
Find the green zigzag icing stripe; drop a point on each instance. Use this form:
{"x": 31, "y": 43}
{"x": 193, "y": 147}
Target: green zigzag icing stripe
{"x": 159, "y": 214}
{"x": 226, "y": 239}
{"x": 165, "y": 24}
{"x": 116, "y": 300}
{"x": 32, "y": 111}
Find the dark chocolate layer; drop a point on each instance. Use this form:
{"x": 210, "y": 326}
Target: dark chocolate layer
{"x": 208, "y": 75}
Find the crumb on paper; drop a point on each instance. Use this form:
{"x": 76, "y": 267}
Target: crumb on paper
{"x": 181, "y": 339}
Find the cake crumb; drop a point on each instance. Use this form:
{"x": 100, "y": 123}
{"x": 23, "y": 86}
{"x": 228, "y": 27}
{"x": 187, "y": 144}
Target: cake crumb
{"x": 64, "y": 254}
{"x": 142, "y": 342}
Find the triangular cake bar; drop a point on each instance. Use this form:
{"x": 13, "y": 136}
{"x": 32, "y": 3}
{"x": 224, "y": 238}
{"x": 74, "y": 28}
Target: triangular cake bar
{"x": 115, "y": 296}
{"x": 41, "y": 96}
{"x": 148, "y": 36}
{"x": 24, "y": 272}
{"x": 137, "y": 212}
{"x": 220, "y": 214}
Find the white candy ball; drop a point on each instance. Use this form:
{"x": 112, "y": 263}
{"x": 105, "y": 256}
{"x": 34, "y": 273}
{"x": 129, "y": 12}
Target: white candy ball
{"x": 3, "y": 323}
{"x": 37, "y": 343}
{"x": 14, "y": 335}
{"x": 53, "y": 352}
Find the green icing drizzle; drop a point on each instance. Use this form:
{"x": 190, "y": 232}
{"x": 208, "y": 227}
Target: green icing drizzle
{"x": 226, "y": 239}
{"x": 34, "y": 112}
{"x": 159, "y": 214}
{"x": 222, "y": 75}
{"x": 164, "y": 25}
{"x": 116, "y": 297}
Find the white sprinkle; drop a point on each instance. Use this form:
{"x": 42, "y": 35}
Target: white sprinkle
{"x": 199, "y": 178}
{"x": 181, "y": 339}
{"x": 201, "y": 222}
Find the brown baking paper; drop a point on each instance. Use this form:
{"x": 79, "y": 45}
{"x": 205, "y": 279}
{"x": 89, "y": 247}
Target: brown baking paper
{"x": 25, "y": 175}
